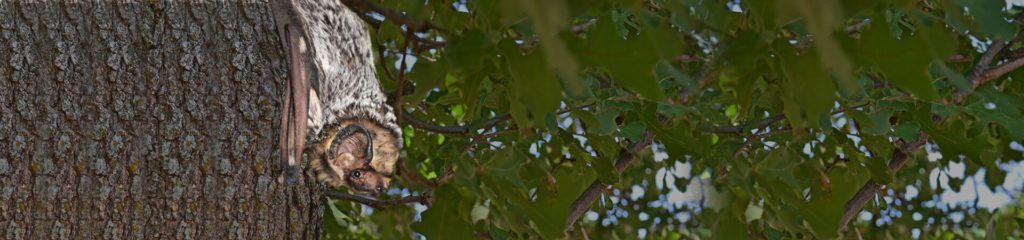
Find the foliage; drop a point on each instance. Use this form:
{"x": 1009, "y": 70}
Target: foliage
{"x": 774, "y": 113}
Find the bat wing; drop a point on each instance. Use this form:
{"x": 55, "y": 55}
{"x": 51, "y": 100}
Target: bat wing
{"x": 295, "y": 109}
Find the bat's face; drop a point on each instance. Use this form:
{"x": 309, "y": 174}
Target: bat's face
{"x": 367, "y": 182}
{"x": 355, "y": 173}
{"x": 358, "y": 156}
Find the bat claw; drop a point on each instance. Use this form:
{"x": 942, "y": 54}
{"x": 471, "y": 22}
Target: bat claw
{"x": 291, "y": 175}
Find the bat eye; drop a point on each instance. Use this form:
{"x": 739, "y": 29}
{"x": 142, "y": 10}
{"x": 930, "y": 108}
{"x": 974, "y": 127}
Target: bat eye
{"x": 380, "y": 189}
{"x": 357, "y": 174}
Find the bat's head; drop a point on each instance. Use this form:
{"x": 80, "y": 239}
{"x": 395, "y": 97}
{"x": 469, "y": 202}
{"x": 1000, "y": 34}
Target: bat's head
{"x": 352, "y": 172}
{"x": 357, "y": 154}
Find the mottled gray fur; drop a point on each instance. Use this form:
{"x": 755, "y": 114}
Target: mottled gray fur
{"x": 346, "y": 83}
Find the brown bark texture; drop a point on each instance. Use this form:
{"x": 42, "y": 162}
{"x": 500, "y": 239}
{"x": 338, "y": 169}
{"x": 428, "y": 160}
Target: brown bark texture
{"x": 145, "y": 119}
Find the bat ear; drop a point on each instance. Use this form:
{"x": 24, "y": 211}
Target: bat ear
{"x": 386, "y": 151}
{"x": 353, "y": 139}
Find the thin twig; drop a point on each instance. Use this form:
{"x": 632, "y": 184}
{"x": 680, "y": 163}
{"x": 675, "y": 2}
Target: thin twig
{"x": 449, "y": 172}
{"x": 401, "y": 76}
{"x": 583, "y": 26}
{"x": 394, "y": 16}
{"x": 364, "y": 7}
{"x": 746, "y": 143}
{"x": 576, "y": 29}
{"x": 424, "y": 125}
{"x": 758, "y": 137}
{"x": 685, "y": 58}
{"x": 425, "y": 199}
{"x": 857, "y": 26}
{"x": 740, "y": 129}
{"x": 1013, "y": 54}
{"x": 464, "y": 129}
{"x": 383, "y": 64}
{"x": 475, "y": 140}
{"x": 414, "y": 176}
{"x": 958, "y": 58}
{"x": 562, "y": 161}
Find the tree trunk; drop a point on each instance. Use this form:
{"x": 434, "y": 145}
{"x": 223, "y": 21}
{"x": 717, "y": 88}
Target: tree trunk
{"x": 139, "y": 120}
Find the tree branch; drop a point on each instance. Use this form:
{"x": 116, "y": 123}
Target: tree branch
{"x": 401, "y": 76}
{"x": 588, "y": 197}
{"x": 464, "y": 129}
{"x": 998, "y": 71}
{"x": 763, "y": 123}
{"x": 577, "y": 29}
{"x": 425, "y": 199}
{"x": 986, "y": 58}
{"x": 413, "y": 176}
{"x": 861, "y": 198}
{"x": 855, "y": 27}
{"x": 478, "y": 138}
{"x": 395, "y": 16}
{"x": 364, "y": 7}
{"x": 979, "y": 76}
{"x": 421, "y": 124}
{"x": 757, "y": 137}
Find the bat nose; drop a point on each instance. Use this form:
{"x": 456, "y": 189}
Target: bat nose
{"x": 366, "y": 187}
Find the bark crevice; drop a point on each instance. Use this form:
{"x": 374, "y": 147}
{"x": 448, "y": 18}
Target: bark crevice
{"x": 140, "y": 120}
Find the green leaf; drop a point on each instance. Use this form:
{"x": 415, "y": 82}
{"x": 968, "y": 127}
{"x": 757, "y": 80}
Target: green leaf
{"x": 604, "y": 145}
{"x": 908, "y": 131}
{"x": 548, "y": 18}
{"x": 396, "y": 218}
{"x": 630, "y": 60}
{"x": 728, "y": 226}
{"x": 519, "y": 113}
{"x": 603, "y": 166}
{"x": 989, "y": 18}
{"x": 665, "y": 72}
{"x": 905, "y": 59}
{"x": 634, "y": 131}
{"x": 879, "y": 168}
{"x": 426, "y": 76}
{"x": 603, "y": 123}
{"x": 678, "y": 139}
{"x": 536, "y": 88}
{"x": 952, "y": 76}
{"x": 823, "y": 18}
{"x": 447, "y": 218}
{"x": 549, "y": 211}
{"x": 779, "y": 167}
{"x": 809, "y": 90}
{"x": 1005, "y": 109}
{"x": 469, "y": 52}
{"x": 954, "y": 140}
{"x": 504, "y": 168}
{"x": 732, "y": 112}
{"x": 334, "y": 219}
{"x": 823, "y": 211}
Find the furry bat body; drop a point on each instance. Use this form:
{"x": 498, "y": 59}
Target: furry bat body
{"x": 333, "y": 85}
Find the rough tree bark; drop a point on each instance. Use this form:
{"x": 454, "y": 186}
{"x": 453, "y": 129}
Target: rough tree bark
{"x": 145, "y": 119}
